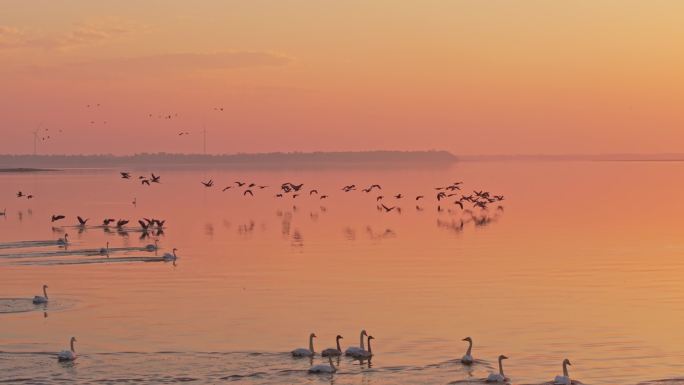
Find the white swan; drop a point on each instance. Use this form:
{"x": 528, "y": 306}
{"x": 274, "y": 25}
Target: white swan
{"x": 468, "y": 358}
{"x": 365, "y": 354}
{"x": 41, "y": 299}
{"x": 63, "y": 241}
{"x": 302, "y": 352}
{"x": 152, "y": 247}
{"x": 328, "y": 369}
{"x": 105, "y": 250}
{"x": 333, "y": 352}
{"x": 68, "y": 355}
{"x": 565, "y": 378}
{"x": 169, "y": 256}
{"x": 354, "y": 349}
{"x": 498, "y": 377}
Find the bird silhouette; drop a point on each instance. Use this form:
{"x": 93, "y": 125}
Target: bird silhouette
{"x": 388, "y": 209}
{"x": 82, "y": 221}
{"x": 208, "y": 183}
{"x": 56, "y": 218}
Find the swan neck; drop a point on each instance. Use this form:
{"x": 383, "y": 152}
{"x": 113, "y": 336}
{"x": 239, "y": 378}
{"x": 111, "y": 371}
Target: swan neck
{"x": 565, "y": 369}
{"x": 339, "y": 349}
{"x": 501, "y": 367}
{"x": 369, "y": 346}
{"x": 470, "y": 347}
{"x": 311, "y": 344}
{"x": 72, "y": 346}
{"x": 363, "y": 346}
{"x": 45, "y": 292}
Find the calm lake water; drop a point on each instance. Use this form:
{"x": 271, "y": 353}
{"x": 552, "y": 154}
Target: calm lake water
{"x": 585, "y": 261}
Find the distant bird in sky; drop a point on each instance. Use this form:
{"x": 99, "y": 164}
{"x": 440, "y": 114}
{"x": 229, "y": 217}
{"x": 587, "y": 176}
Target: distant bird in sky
{"x": 20, "y": 194}
{"x": 240, "y": 184}
{"x": 121, "y": 223}
{"x": 226, "y": 188}
{"x": 324, "y": 196}
{"x": 81, "y": 221}
{"x": 56, "y": 218}
{"x": 248, "y": 191}
{"x": 398, "y": 196}
{"x": 379, "y": 198}
{"x": 388, "y": 209}
{"x": 209, "y": 183}
{"x": 459, "y": 203}
{"x": 125, "y": 175}
{"x": 313, "y": 192}
{"x": 419, "y": 197}
{"x": 145, "y": 181}
{"x": 107, "y": 221}
{"x": 155, "y": 178}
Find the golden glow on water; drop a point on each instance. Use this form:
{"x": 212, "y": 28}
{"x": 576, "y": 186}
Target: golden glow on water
{"x": 585, "y": 262}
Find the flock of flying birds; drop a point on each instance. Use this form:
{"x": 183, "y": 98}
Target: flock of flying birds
{"x": 473, "y": 207}
{"x": 478, "y": 199}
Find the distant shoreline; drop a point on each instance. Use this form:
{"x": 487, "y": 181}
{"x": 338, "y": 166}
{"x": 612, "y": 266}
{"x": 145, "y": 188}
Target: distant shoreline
{"x": 25, "y": 169}
{"x": 258, "y": 160}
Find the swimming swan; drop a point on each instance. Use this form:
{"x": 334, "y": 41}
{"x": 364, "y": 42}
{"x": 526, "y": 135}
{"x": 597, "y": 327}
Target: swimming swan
{"x": 169, "y": 256}
{"x": 302, "y": 352}
{"x": 565, "y": 378}
{"x": 498, "y": 377}
{"x": 152, "y": 247}
{"x": 365, "y": 354}
{"x": 332, "y": 352}
{"x": 330, "y": 368}
{"x": 354, "y": 349}
{"x": 63, "y": 241}
{"x": 68, "y": 355}
{"x": 41, "y": 299}
{"x": 105, "y": 250}
{"x": 468, "y": 358}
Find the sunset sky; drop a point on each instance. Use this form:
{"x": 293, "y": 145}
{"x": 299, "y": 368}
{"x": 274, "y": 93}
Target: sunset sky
{"x": 471, "y": 77}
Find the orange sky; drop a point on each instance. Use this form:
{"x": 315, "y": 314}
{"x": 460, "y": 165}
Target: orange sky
{"x": 472, "y": 77}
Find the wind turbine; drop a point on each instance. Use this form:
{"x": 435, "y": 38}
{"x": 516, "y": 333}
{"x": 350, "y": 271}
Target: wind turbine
{"x": 35, "y": 138}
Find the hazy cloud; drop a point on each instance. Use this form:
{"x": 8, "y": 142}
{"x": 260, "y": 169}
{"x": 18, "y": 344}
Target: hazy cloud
{"x": 193, "y": 61}
{"x": 81, "y": 35}
{"x": 158, "y": 65}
